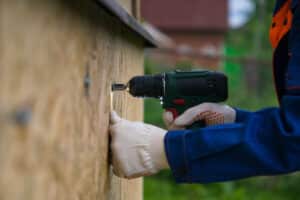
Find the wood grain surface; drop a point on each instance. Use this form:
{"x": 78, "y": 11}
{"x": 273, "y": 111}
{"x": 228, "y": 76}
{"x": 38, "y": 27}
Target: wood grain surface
{"x": 58, "y": 59}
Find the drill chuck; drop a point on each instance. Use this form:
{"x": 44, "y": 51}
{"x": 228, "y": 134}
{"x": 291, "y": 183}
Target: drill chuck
{"x": 147, "y": 86}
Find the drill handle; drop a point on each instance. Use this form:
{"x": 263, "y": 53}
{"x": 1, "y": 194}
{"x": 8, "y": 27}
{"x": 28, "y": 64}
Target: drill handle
{"x": 195, "y": 125}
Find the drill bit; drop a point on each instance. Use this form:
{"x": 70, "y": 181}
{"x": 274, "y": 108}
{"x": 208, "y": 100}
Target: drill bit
{"x": 118, "y": 87}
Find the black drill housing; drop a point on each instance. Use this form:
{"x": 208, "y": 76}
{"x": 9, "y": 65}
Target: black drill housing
{"x": 180, "y": 90}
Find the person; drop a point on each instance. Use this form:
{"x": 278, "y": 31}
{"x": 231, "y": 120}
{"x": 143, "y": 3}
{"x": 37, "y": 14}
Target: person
{"x": 236, "y": 143}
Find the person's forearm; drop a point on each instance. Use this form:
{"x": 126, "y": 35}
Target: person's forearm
{"x": 265, "y": 143}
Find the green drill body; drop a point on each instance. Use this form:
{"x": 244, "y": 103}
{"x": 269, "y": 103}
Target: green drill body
{"x": 180, "y": 89}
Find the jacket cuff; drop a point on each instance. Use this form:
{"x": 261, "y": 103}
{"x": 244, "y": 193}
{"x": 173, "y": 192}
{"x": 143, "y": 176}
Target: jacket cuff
{"x": 241, "y": 115}
{"x": 175, "y": 150}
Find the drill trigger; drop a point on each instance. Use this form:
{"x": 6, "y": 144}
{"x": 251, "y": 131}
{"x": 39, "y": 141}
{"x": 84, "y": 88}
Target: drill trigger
{"x": 174, "y": 112}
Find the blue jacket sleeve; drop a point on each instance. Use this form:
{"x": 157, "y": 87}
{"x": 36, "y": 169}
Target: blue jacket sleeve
{"x": 266, "y": 142}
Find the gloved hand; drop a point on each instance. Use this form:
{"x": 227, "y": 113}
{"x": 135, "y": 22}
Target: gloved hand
{"x": 211, "y": 113}
{"x": 137, "y": 148}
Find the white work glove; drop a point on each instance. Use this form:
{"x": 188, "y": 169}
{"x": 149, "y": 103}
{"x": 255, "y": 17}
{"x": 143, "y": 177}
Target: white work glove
{"x": 137, "y": 148}
{"x": 211, "y": 113}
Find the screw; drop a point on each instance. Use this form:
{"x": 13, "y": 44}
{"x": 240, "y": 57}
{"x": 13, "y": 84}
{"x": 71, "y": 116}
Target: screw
{"x": 87, "y": 82}
{"x": 23, "y": 116}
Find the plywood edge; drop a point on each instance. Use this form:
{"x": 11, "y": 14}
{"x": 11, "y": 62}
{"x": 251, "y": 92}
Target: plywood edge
{"x": 112, "y": 7}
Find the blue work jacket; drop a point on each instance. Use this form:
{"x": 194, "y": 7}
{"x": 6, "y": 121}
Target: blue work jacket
{"x": 266, "y": 142}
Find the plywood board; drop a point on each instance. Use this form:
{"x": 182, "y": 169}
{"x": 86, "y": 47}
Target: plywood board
{"x": 57, "y": 62}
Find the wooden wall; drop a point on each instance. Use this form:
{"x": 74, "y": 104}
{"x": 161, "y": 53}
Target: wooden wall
{"x": 58, "y": 59}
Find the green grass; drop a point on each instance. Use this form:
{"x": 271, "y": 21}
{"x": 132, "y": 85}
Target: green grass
{"x": 163, "y": 187}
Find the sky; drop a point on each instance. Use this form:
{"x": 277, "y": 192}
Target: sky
{"x": 239, "y": 12}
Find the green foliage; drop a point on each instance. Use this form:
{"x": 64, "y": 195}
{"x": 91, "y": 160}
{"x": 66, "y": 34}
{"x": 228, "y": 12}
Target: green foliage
{"x": 260, "y": 188}
{"x": 153, "y": 112}
{"x": 239, "y": 93}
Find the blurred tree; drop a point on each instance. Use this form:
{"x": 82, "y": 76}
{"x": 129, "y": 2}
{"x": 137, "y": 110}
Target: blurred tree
{"x": 252, "y": 41}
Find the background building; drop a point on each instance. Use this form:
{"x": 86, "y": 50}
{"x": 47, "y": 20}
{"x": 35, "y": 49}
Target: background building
{"x": 197, "y": 28}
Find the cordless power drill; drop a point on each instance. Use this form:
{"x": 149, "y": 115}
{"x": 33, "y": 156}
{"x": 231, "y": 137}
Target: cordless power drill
{"x": 179, "y": 90}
